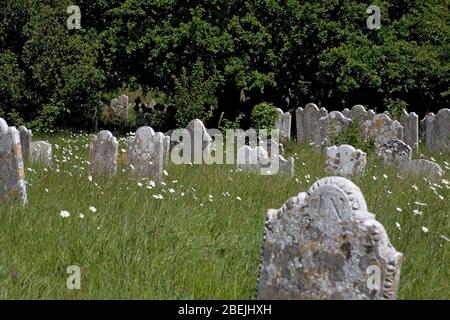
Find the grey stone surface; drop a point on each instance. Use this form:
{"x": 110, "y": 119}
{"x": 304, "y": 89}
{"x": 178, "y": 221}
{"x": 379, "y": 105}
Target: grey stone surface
{"x": 345, "y": 160}
{"x": 329, "y": 127}
{"x": 41, "y": 152}
{"x": 422, "y": 168}
{"x": 270, "y": 145}
{"x": 257, "y": 160}
{"x": 26, "y": 136}
{"x": 410, "y": 122}
{"x": 166, "y": 149}
{"x": 320, "y": 245}
{"x": 438, "y": 132}
{"x": 145, "y": 153}
{"x": 123, "y": 100}
{"x": 423, "y": 126}
{"x": 103, "y": 152}
{"x": 283, "y": 124}
{"x": 307, "y": 121}
{"x": 394, "y": 151}
{"x": 381, "y": 129}
{"x": 12, "y": 174}
{"x": 358, "y": 113}
{"x": 199, "y": 141}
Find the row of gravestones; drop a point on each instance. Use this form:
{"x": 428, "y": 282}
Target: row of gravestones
{"x": 318, "y": 126}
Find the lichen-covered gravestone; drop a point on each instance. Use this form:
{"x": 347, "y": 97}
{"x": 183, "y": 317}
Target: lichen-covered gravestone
{"x": 410, "y": 122}
{"x": 394, "y": 151}
{"x": 145, "y": 153}
{"x": 324, "y": 244}
{"x": 26, "y": 137}
{"x": 283, "y": 124}
{"x": 41, "y": 152}
{"x": 438, "y": 131}
{"x": 381, "y": 129}
{"x": 358, "y": 113}
{"x": 422, "y": 168}
{"x": 103, "y": 152}
{"x": 345, "y": 160}
{"x": 330, "y": 127}
{"x": 12, "y": 174}
{"x": 307, "y": 120}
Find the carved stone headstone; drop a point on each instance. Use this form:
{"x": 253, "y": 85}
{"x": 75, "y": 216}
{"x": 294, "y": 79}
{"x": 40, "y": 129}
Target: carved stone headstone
{"x": 421, "y": 168}
{"x": 103, "y": 153}
{"x": 258, "y": 161}
{"x": 345, "y": 160}
{"x": 394, "y": 151}
{"x": 145, "y": 153}
{"x": 12, "y": 174}
{"x": 382, "y": 129}
{"x": 324, "y": 244}
{"x": 199, "y": 141}
{"x": 358, "y": 113}
{"x": 123, "y": 100}
{"x": 166, "y": 149}
{"x": 283, "y": 124}
{"x": 438, "y": 132}
{"x": 307, "y": 121}
{"x": 330, "y": 127}
{"x": 410, "y": 122}
{"x": 26, "y": 136}
{"x": 41, "y": 152}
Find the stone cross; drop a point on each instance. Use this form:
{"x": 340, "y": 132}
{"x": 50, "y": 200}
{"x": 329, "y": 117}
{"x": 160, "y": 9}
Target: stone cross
{"x": 103, "y": 153}
{"x": 324, "y": 244}
{"x": 307, "y": 121}
{"x": 345, "y": 160}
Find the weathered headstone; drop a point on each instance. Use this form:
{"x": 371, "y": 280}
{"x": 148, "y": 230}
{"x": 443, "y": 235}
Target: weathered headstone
{"x": 199, "y": 140}
{"x": 283, "y": 124}
{"x": 103, "y": 153}
{"x": 382, "y": 129}
{"x": 324, "y": 244}
{"x": 123, "y": 100}
{"x": 26, "y": 136}
{"x": 423, "y": 126}
{"x": 394, "y": 151}
{"x": 421, "y": 168}
{"x": 258, "y": 161}
{"x": 145, "y": 153}
{"x": 358, "y": 113}
{"x": 307, "y": 121}
{"x": 345, "y": 160}
{"x": 330, "y": 127}
{"x": 12, "y": 174}
{"x": 410, "y": 122}
{"x": 41, "y": 152}
{"x": 438, "y": 131}
{"x": 166, "y": 149}
{"x": 270, "y": 145}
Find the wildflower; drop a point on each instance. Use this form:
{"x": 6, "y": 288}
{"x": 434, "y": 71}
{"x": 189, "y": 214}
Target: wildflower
{"x": 399, "y": 209}
{"x": 93, "y": 209}
{"x": 46, "y": 190}
{"x": 417, "y": 212}
{"x": 385, "y": 176}
{"x": 139, "y": 184}
{"x": 158, "y": 196}
{"x": 415, "y": 187}
{"x": 165, "y": 173}
{"x": 239, "y": 198}
{"x": 420, "y": 203}
{"x": 64, "y": 214}
{"x": 171, "y": 190}
{"x": 398, "y": 226}
{"x": 81, "y": 216}
{"x": 90, "y": 178}
{"x": 425, "y": 229}
{"x": 374, "y": 178}
{"x": 152, "y": 183}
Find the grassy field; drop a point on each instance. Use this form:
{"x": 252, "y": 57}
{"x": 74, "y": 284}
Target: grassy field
{"x": 202, "y": 240}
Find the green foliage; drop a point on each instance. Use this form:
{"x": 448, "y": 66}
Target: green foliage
{"x": 264, "y": 116}
{"x": 236, "y": 124}
{"x": 353, "y": 136}
{"x": 395, "y": 108}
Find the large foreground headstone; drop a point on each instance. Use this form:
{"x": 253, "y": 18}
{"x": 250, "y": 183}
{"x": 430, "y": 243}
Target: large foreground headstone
{"x": 394, "y": 151}
{"x": 103, "y": 153}
{"x": 41, "y": 152}
{"x": 12, "y": 174}
{"x": 324, "y": 244}
{"x": 345, "y": 160}
{"x": 438, "y": 132}
{"x": 422, "y": 168}
{"x": 307, "y": 121}
{"x": 26, "y": 136}
{"x": 330, "y": 127}
{"x": 145, "y": 153}
{"x": 283, "y": 124}
{"x": 381, "y": 129}
{"x": 410, "y": 122}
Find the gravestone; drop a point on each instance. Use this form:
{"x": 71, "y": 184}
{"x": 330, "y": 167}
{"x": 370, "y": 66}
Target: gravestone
{"x": 199, "y": 140}
{"x": 307, "y": 121}
{"x": 41, "y": 152}
{"x": 166, "y": 149}
{"x": 283, "y": 124}
{"x": 270, "y": 145}
{"x": 422, "y": 168}
{"x": 324, "y": 245}
{"x": 381, "y": 129}
{"x": 438, "y": 132}
{"x": 330, "y": 127}
{"x": 423, "y": 126}
{"x": 394, "y": 151}
{"x": 410, "y": 122}
{"x": 345, "y": 160}
{"x": 26, "y": 136}
{"x": 358, "y": 113}
{"x": 257, "y": 160}
{"x": 103, "y": 153}
{"x": 12, "y": 174}
{"x": 145, "y": 153}
{"x": 123, "y": 100}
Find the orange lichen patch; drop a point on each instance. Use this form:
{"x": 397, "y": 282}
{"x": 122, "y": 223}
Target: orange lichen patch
{"x": 21, "y": 172}
{"x": 122, "y": 159}
{"x": 18, "y": 149}
{"x": 378, "y": 123}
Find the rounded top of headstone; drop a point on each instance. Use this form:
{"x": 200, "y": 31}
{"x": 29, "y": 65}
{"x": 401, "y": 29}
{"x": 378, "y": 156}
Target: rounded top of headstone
{"x": 311, "y": 106}
{"x": 145, "y": 131}
{"x": 359, "y": 107}
{"x": 3, "y": 126}
{"x": 443, "y": 111}
{"x": 105, "y": 135}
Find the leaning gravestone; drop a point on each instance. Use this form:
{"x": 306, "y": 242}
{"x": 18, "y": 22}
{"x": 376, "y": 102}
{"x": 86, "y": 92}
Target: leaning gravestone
{"x": 381, "y": 129}
{"x": 12, "y": 174}
{"x": 103, "y": 153}
{"x": 438, "y": 132}
{"x": 307, "y": 120}
{"x": 26, "y": 137}
{"x": 283, "y": 124}
{"x": 345, "y": 160}
{"x": 358, "y": 113}
{"x": 421, "y": 168}
{"x": 41, "y": 152}
{"x": 145, "y": 153}
{"x": 410, "y": 122}
{"x": 199, "y": 140}
{"x": 330, "y": 127}
{"x": 325, "y": 245}
{"x": 394, "y": 151}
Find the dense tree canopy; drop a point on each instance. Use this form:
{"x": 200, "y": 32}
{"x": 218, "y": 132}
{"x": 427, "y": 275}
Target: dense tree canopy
{"x": 289, "y": 52}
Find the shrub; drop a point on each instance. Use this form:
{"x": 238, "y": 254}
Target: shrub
{"x": 395, "y": 108}
{"x": 353, "y": 136}
{"x": 264, "y": 116}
